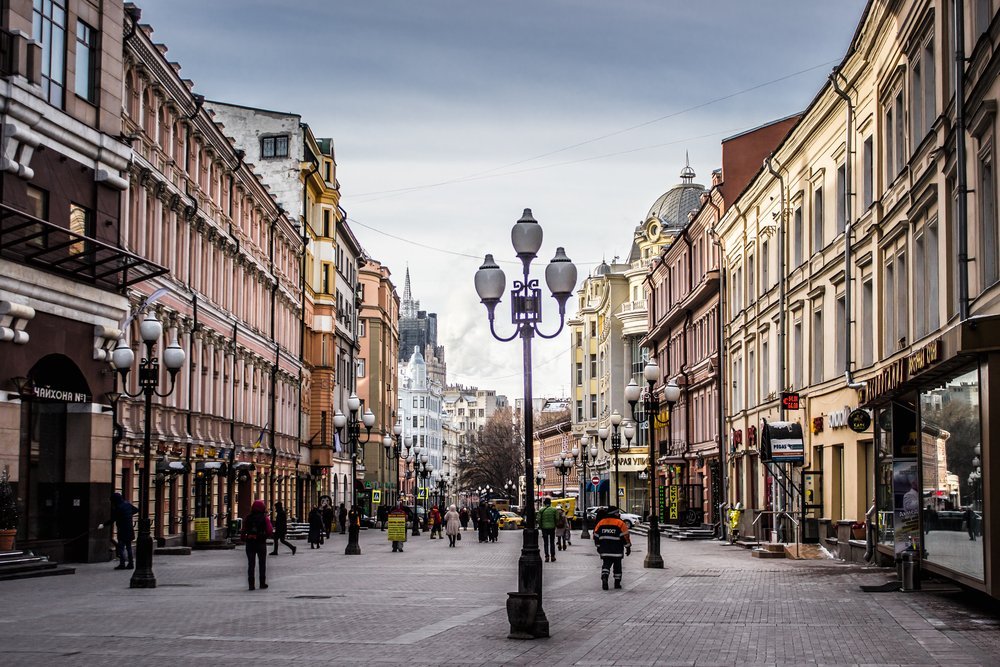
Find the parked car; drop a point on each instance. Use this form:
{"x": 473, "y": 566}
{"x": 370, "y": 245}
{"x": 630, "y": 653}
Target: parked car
{"x": 631, "y": 519}
{"x": 367, "y": 521}
{"x": 510, "y": 521}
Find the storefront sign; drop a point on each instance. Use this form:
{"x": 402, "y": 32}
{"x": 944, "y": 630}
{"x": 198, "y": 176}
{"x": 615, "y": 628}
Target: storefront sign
{"x": 632, "y": 462}
{"x": 839, "y": 418}
{"x": 782, "y": 442}
{"x": 859, "y": 420}
{"x": 790, "y": 400}
{"x": 56, "y": 394}
{"x": 674, "y": 499}
{"x": 925, "y": 357}
{"x": 817, "y": 425}
{"x": 895, "y": 374}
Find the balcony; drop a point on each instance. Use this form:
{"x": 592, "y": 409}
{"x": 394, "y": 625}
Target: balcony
{"x": 633, "y": 307}
{"x": 19, "y": 55}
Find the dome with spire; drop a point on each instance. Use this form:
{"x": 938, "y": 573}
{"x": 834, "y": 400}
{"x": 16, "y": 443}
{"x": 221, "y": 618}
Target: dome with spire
{"x": 673, "y": 206}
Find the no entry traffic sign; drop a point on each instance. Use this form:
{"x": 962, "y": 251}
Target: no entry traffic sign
{"x": 595, "y": 480}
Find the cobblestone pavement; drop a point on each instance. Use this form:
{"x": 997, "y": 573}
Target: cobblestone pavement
{"x": 712, "y": 605}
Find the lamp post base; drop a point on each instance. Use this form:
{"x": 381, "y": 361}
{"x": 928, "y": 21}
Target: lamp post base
{"x": 142, "y": 576}
{"x": 529, "y": 581}
{"x": 416, "y": 523}
{"x": 353, "y": 547}
{"x": 653, "y": 558}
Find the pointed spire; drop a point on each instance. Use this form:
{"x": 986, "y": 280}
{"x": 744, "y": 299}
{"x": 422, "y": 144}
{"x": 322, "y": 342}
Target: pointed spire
{"x": 407, "y": 295}
{"x": 408, "y": 307}
{"x": 687, "y": 173}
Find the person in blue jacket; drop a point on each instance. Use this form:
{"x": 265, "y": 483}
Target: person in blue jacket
{"x": 122, "y": 512}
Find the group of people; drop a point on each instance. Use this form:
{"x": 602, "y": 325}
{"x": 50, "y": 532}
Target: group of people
{"x": 555, "y": 527}
{"x": 321, "y": 522}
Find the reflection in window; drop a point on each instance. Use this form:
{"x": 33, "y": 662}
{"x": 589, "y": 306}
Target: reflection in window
{"x": 952, "y": 474}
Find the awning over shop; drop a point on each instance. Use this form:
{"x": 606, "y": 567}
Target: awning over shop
{"x": 46, "y": 246}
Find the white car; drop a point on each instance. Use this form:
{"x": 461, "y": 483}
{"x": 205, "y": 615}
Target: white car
{"x": 630, "y": 519}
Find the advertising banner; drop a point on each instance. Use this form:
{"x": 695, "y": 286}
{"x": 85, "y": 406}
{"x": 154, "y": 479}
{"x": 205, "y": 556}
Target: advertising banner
{"x": 906, "y": 505}
{"x": 396, "y": 526}
{"x": 781, "y": 442}
{"x": 202, "y": 529}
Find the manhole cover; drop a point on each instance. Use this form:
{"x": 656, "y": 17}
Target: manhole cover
{"x": 311, "y": 597}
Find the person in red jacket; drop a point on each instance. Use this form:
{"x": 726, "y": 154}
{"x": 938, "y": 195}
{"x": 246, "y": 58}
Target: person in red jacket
{"x": 435, "y": 522}
{"x": 256, "y": 529}
{"x": 613, "y": 544}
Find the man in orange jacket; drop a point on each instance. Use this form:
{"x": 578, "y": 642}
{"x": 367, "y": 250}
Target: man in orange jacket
{"x": 613, "y": 544}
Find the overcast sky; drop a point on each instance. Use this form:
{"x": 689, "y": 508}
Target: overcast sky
{"x": 451, "y": 116}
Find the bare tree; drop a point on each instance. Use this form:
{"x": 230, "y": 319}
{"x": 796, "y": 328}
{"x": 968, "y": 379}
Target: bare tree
{"x": 495, "y": 455}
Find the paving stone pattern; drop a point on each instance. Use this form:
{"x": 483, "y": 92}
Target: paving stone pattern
{"x": 431, "y": 605}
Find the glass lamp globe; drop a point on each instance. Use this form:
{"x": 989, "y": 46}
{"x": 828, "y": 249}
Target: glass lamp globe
{"x": 339, "y": 420}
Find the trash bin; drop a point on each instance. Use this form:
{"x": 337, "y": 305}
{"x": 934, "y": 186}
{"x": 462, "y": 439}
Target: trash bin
{"x": 909, "y": 571}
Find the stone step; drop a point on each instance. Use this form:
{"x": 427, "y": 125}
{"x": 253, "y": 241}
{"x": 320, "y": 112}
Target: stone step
{"x": 747, "y": 543}
{"x": 764, "y": 553}
{"x": 806, "y": 552}
{"x": 172, "y": 551}
{"x": 28, "y": 565}
{"x": 774, "y": 547}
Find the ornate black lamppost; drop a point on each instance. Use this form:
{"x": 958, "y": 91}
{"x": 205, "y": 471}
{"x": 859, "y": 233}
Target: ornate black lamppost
{"x": 616, "y": 445}
{"x": 416, "y": 462}
{"x": 353, "y": 426}
{"x": 587, "y": 456}
{"x": 648, "y": 414}
{"x": 509, "y": 487}
{"x": 540, "y": 478}
{"x": 564, "y": 464}
{"x": 393, "y": 452}
{"x": 526, "y": 315}
{"x": 149, "y": 378}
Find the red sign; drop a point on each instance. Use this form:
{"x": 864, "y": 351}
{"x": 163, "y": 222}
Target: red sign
{"x": 595, "y": 480}
{"x": 790, "y": 401}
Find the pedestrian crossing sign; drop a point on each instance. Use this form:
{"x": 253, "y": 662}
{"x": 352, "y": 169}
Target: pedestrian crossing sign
{"x": 621, "y": 492}
{"x": 421, "y": 494}
{"x": 377, "y": 497}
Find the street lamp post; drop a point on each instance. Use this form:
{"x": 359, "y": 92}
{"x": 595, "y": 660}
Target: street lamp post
{"x": 617, "y": 430}
{"x": 394, "y": 451}
{"x": 149, "y": 378}
{"x": 540, "y": 478}
{"x": 671, "y": 392}
{"x": 508, "y": 488}
{"x": 564, "y": 464}
{"x": 526, "y": 315}
{"x": 353, "y": 425}
{"x": 587, "y": 456}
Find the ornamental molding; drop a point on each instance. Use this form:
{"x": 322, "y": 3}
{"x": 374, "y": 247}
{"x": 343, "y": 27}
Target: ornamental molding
{"x": 14, "y": 317}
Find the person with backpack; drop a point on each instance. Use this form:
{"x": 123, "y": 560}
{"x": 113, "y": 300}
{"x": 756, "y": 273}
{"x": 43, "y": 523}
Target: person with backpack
{"x": 256, "y": 529}
{"x": 560, "y": 529}
{"x": 613, "y": 544}
{"x": 547, "y": 518}
{"x": 122, "y": 512}
{"x": 281, "y": 528}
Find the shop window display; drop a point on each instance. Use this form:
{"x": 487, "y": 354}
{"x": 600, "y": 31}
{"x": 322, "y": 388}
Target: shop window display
{"x": 952, "y": 474}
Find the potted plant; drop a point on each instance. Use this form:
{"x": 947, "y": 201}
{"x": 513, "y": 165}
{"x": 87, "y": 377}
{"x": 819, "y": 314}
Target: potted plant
{"x": 858, "y": 530}
{"x": 8, "y": 513}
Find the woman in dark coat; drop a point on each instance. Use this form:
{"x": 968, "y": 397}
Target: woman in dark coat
{"x": 484, "y": 522}
{"x": 256, "y": 529}
{"x": 281, "y": 528}
{"x": 316, "y": 528}
{"x": 463, "y": 517}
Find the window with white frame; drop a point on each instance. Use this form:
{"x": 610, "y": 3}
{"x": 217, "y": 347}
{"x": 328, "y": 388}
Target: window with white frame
{"x": 818, "y": 367}
{"x": 817, "y": 244}
{"x": 840, "y": 350}
{"x": 926, "y": 287}
{"x": 274, "y": 146}
{"x": 868, "y": 184}
{"x": 841, "y": 198}
{"x": 361, "y": 367}
{"x": 797, "y": 239}
{"x": 737, "y": 397}
{"x": 895, "y": 309}
{"x": 765, "y": 368}
{"x": 765, "y": 266}
{"x": 988, "y": 245}
{"x": 867, "y": 322}
{"x": 751, "y": 377}
{"x": 797, "y": 354}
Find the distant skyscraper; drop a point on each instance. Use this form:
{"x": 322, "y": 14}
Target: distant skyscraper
{"x": 418, "y": 329}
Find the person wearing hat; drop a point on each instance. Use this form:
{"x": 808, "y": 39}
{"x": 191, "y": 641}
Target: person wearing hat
{"x": 613, "y": 544}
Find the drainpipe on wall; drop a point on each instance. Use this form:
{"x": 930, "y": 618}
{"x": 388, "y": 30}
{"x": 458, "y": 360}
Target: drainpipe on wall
{"x": 721, "y": 387}
{"x": 848, "y": 225}
{"x": 781, "y": 281}
{"x": 274, "y": 366}
{"x": 961, "y": 178}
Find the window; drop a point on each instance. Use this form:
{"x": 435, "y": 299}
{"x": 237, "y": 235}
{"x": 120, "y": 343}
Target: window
{"x": 765, "y": 370}
{"x": 38, "y": 202}
{"x": 867, "y": 185}
{"x": 325, "y": 284}
{"x": 737, "y": 384}
{"x": 925, "y": 284}
{"x": 751, "y": 272}
{"x": 579, "y": 373}
{"x": 817, "y": 346}
{"x": 326, "y": 222}
{"x": 818, "y": 219}
{"x": 593, "y": 407}
{"x": 86, "y": 62}
{"x": 841, "y": 198}
{"x": 593, "y": 366}
{"x": 579, "y": 411}
{"x": 49, "y": 30}
{"x": 765, "y": 265}
{"x": 593, "y": 329}
{"x": 988, "y": 218}
{"x": 867, "y": 303}
{"x": 326, "y": 171}
{"x": 923, "y": 107}
{"x": 274, "y": 147}
{"x": 579, "y": 338}
{"x": 894, "y": 133}
{"x": 982, "y": 14}
{"x": 751, "y": 379}
{"x": 361, "y": 368}
{"x": 840, "y": 357}
{"x": 81, "y": 221}
{"x": 895, "y": 295}
{"x": 797, "y": 355}
{"x": 797, "y": 237}
{"x": 415, "y": 402}
{"x": 361, "y": 329}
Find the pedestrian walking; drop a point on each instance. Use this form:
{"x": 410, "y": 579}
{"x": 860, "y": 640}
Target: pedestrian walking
{"x": 484, "y": 521}
{"x": 474, "y": 518}
{"x": 122, "y": 512}
{"x": 281, "y": 528}
{"x": 560, "y": 529}
{"x": 435, "y": 522}
{"x": 452, "y": 521}
{"x": 970, "y": 521}
{"x": 494, "y": 523}
{"x": 316, "y": 528}
{"x": 547, "y": 518}
{"x": 463, "y": 517}
{"x": 613, "y": 544}
{"x": 326, "y": 511}
{"x": 256, "y": 529}
{"x": 382, "y": 516}
{"x": 341, "y": 519}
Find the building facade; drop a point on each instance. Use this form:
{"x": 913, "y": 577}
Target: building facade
{"x": 418, "y": 329}
{"x": 421, "y": 407}
{"x": 65, "y": 277}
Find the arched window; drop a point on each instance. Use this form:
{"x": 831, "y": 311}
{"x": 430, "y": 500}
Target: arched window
{"x": 148, "y": 117}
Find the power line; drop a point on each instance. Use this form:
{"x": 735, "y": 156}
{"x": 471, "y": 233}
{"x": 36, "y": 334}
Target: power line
{"x": 512, "y": 375}
{"x": 489, "y": 173}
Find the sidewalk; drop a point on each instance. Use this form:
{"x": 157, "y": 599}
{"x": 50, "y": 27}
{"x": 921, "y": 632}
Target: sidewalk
{"x": 712, "y": 605}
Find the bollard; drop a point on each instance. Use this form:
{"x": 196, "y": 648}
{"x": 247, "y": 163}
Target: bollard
{"x": 910, "y": 571}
